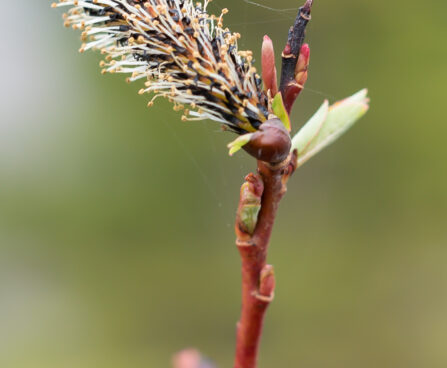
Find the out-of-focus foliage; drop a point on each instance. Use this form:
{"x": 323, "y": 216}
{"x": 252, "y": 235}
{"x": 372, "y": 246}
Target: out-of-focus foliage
{"x": 116, "y": 222}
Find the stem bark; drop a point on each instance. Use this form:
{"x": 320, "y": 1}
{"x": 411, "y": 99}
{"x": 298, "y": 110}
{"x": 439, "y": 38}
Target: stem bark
{"x": 258, "y": 280}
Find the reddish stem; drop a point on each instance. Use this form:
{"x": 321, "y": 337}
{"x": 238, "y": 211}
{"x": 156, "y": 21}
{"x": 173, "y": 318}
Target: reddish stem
{"x": 265, "y": 191}
{"x": 258, "y": 280}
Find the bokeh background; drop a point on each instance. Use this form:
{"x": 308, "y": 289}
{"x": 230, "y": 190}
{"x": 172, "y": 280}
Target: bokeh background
{"x": 116, "y": 222}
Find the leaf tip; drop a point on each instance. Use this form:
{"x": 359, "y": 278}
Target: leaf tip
{"x": 280, "y": 111}
{"x": 238, "y": 143}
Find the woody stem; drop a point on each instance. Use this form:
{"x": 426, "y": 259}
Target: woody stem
{"x": 258, "y": 282}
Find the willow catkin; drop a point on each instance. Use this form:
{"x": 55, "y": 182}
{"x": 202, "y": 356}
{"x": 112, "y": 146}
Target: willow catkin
{"x": 183, "y": 53}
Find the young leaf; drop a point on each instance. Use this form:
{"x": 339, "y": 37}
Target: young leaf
{"x": 280, "y": 111}
{"x": 328, "y": 124}
{"x": 310, "y": 130}
{"x": 238, "y": 143}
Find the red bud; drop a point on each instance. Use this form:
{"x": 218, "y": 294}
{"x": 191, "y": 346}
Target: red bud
{"x": 296, "y": 86}
{"x": 268, "y": 66}
{"x": 303, "y": 59}
{"x": 302, "y": 66}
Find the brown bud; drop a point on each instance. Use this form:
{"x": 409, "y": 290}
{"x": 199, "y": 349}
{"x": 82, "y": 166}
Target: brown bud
{"x": 271, "y": 143}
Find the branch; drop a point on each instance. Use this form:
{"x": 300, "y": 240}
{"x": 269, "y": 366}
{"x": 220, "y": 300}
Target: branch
{"x": 289, "y": 86}
{"x": 260, "y": 197}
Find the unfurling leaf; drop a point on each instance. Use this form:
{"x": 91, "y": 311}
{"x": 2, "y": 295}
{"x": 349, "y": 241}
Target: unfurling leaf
{"x": 309, "y": 132}
{"x": 238, "y": 143}
{"x": 328, "y": 124}
{"x": 249, "y": 206}
{"x": 248, "y": 217}
{"x": 280, "y": 111}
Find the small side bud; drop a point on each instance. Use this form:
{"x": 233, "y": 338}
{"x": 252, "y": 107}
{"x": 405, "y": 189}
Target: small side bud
{"x": 296, "y": 85}
{"x": 249, "y": 206}
{"x": 267, "y": 282}
{"x": 302, "y": 66}
{"x": 271, "y": 143}
{"x": 269, "y": 74}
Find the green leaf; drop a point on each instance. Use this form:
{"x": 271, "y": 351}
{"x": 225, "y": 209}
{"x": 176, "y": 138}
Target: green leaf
{"x": 238, "y": 143}
{"x": 309, "y": 132}
{"x": 328, "y": 124}
{"x": 280, "y": 111}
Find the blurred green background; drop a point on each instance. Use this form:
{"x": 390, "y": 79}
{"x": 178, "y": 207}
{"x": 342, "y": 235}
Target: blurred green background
{"x": 116, "y": 222}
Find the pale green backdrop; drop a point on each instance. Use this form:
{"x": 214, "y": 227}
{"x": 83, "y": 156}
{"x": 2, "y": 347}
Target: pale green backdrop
{"x": 116, "y": 239}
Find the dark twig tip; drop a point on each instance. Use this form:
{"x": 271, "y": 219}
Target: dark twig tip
{"x": 308, "y": 6}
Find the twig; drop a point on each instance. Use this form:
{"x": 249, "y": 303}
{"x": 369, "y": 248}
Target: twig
{"x": 259, "y": 201}
{"x": 258, "y": 280}
{"x": 288, "y": 86}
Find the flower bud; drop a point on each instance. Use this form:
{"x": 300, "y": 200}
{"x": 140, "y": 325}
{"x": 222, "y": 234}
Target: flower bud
{"x": 302, "y": 66}
{"x": 269, "y": 67}
{"x": 296, "y": 85}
